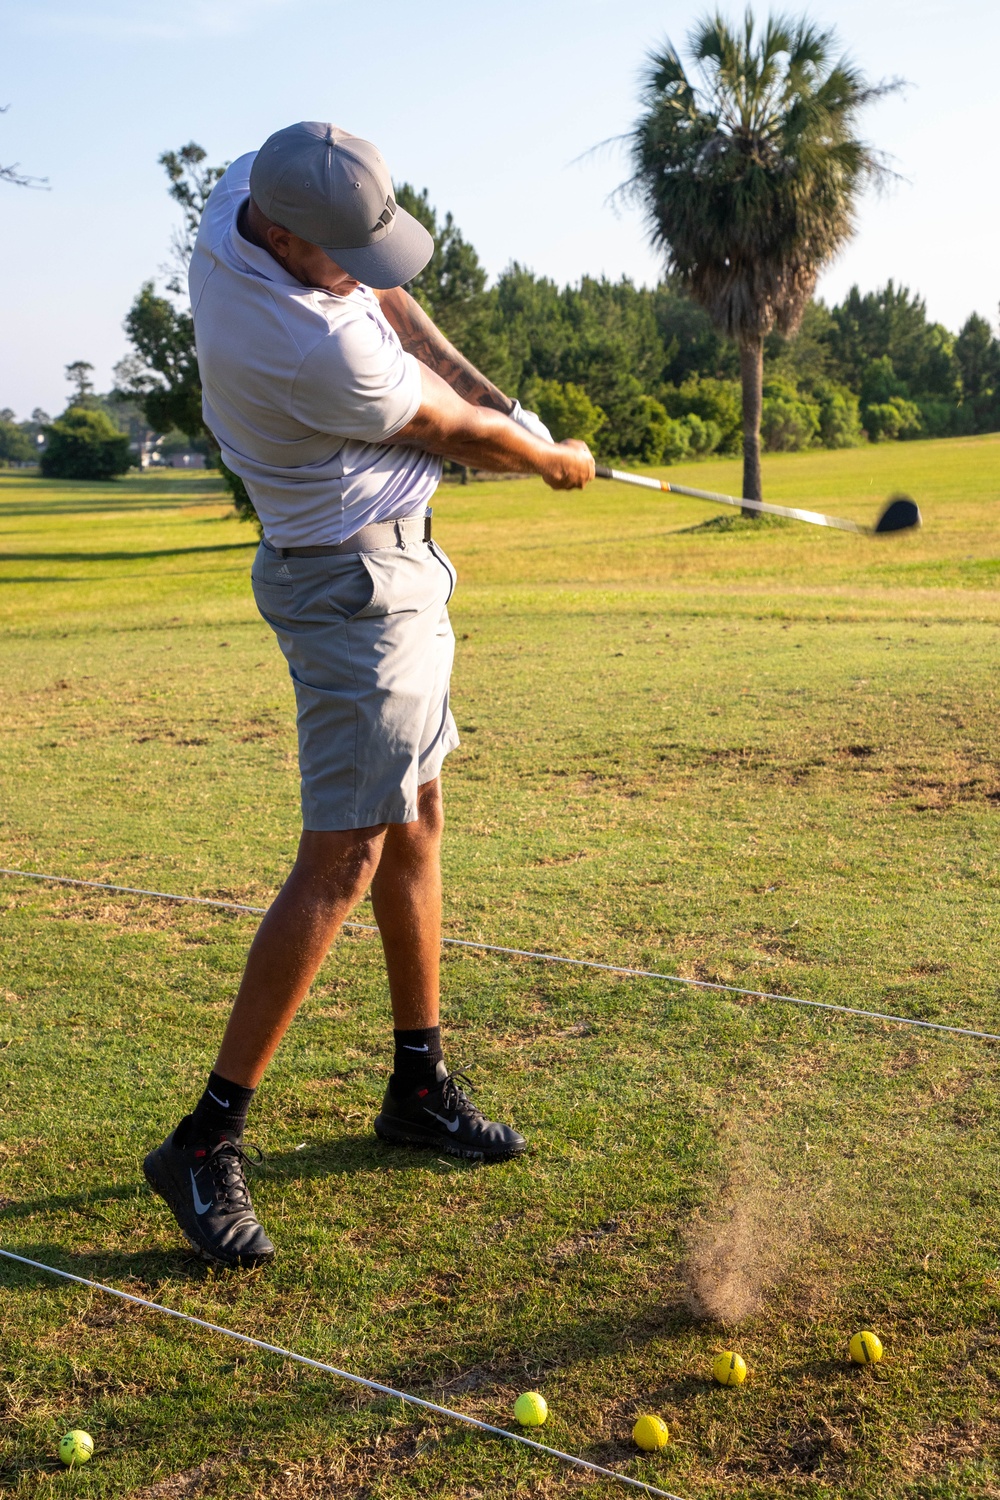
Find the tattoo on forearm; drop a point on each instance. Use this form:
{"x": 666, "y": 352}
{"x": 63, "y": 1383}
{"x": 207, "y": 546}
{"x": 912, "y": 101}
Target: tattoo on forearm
{"x": 424, "y": 340}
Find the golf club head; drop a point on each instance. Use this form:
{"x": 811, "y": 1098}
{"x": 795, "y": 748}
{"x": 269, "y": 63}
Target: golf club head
{"x": 899, "y": 515}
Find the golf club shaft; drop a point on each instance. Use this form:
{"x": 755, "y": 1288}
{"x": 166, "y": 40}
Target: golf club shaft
{"x": 813, "y": 517}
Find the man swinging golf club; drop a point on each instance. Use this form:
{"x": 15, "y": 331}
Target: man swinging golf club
{"x": 335, "y": 398}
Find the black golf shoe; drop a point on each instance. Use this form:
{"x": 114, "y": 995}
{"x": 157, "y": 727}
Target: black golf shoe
{"x": 443, "y": 1117}
{"x": 205, "y": 1187}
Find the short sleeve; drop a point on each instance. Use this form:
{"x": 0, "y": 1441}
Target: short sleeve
{"x": 357, "y": 382}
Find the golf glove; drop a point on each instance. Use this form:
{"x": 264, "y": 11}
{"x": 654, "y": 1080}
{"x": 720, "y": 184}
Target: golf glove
{"x": 531, "y": 423}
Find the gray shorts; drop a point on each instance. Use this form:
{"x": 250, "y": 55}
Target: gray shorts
{"x": 369, "y": 648}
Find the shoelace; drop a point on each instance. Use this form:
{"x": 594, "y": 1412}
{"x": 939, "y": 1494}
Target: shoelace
{"x": 454, "y": 1097}
{"x": 226, "y": 1163}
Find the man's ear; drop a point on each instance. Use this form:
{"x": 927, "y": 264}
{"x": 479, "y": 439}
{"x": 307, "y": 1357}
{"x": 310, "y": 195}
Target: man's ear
{"x": 279, "y": 240}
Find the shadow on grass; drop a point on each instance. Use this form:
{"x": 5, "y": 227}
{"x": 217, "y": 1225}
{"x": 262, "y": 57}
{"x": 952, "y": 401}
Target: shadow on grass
{"x": 85, "y": 557}
{"x": 87, "y": 1204}
{"x": 822, "y": 1370}
{"x": 469, "y": 1365}
{"x": 347, "y": 1155}
{"x": 343, "y": 1156}
{"x": 737, "y": 521}
{"x": 623, "y": 1327}
{"x": 150, "y": 1268}
{"x": 171, "y": 482}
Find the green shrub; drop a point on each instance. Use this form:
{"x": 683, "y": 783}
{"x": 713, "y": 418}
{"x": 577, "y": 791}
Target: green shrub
{"x": 566, "y": 410}
{"x": 16, "y": 446}
{"x": 839, "y": 416}
{"x": 657, "y": 433}
{"x": 689, "y": 437}
{"x": 895, "y": 418}
{"x": 788, "y": 423}
{"x": 939, "y": 418}
{"x": 85, "y": 444}
{"x": 242, "y": 504}
{"x": 636, "y": 429}
{"x": 704, "y": 437}
{"x": 677, "y": 442}
{"x": 715, "y": 401}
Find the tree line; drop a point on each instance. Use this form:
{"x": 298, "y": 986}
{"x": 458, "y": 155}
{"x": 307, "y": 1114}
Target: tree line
{"x": 748, "y": 166}
{"x": 645, "y": 375}
{"x": 640, "y": 373}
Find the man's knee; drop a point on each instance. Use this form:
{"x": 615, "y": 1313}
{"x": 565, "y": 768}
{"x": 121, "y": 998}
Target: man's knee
{"x": 430, "y": 811}
{"x": 341, "y": 862}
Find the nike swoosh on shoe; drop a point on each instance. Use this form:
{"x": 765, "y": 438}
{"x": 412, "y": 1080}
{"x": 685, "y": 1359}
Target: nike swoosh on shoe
{"x": 200, "y": 1206}
{"x": 451, "y": 1125}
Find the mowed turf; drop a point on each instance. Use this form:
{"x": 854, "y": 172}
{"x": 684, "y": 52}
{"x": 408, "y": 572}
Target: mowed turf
{"x": 754, "y": 753}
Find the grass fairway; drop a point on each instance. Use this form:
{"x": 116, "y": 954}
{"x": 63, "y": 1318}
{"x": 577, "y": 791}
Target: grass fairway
{"x": 763, "y": 754}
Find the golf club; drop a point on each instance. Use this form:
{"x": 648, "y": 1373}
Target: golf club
{"x": 900, "y": 514}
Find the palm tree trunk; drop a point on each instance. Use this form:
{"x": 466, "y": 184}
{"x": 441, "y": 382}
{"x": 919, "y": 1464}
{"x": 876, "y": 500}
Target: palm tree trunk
{"x": 752, "y": 377}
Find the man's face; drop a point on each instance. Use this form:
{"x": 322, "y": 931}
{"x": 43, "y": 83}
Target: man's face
{"x": 308, "y": 263}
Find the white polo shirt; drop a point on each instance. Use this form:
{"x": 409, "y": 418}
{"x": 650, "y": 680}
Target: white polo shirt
{"x": 300, "y": 388}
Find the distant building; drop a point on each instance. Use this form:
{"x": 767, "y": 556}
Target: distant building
{"x": 186, "y": 460}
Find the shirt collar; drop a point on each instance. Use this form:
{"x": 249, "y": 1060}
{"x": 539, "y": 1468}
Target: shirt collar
{"x": 263, "y": 264}
{"x": 259, "y": 261}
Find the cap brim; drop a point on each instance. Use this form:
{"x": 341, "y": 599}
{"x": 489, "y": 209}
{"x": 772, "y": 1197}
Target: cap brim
{"x": 391, "y": 261}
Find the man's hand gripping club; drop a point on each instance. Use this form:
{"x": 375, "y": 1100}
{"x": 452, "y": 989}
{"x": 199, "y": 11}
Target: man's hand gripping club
{"x": 483, "y": 438}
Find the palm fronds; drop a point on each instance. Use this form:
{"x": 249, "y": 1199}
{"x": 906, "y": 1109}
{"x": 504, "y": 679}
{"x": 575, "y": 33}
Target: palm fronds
{"x": 750, "y": 171}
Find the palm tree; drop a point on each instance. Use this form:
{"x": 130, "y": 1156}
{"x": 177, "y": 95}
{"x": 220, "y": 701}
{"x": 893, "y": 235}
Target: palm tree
{"x": 750, "y": 178}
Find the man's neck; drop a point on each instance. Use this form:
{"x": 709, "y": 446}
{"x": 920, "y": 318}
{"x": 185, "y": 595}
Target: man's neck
{"x": 247, "y": 230}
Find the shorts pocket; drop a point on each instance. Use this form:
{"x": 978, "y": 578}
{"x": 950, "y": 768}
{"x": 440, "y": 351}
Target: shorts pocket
{"x": 272, "y": 599}
{"x": 354, "y": 596}
{"x": 448, "y": 566}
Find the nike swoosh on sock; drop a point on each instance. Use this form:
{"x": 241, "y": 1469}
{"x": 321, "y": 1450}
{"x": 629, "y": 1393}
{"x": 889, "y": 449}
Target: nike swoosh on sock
{"x": 222, "y": 1103}
{"x": 408, "y": 1048}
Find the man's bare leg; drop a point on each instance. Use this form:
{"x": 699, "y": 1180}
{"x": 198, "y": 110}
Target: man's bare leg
{"x": 406, "y": 898}
{"x": 423, "y": 1105}
{"x": 329, "y": 878}
{"x": 198, "y": 1169}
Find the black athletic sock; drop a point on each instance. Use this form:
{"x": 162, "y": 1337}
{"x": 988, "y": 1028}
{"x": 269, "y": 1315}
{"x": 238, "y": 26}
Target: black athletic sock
{"x": 223, "y": 1107}
{"x": 418, "y": 1053}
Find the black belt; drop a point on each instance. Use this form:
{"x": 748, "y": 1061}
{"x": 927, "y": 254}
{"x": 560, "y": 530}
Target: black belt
{"x": 373, "y": 538}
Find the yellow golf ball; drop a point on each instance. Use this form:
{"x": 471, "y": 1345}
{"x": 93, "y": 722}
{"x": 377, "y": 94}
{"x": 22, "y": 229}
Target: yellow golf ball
{"x": 76, "y": 1447}
{"x": 650, "y": 1433}
{"x": 729, "y": 1368}
{"x": 530, "y": 1409}
{"x": 866, "y": 1348}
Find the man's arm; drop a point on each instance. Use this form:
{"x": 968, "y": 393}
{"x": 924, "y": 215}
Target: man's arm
{"x": 421, "y": 337}
{"x": 447, "y": 425}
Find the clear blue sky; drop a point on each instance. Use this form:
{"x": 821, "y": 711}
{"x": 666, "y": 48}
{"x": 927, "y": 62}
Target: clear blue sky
{"x": 488, "y": 106}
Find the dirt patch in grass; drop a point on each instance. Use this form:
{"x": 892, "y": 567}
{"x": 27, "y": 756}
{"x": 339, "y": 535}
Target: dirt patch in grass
{"x": 817, "y": 1445}
{"x": 136, "y": 914}
{"x": 939, "y": 793}
{"x": 346, "y": 1475}
{"x": 588, "y": 1240}
{"x": 948, "y": 1443}
{"x": 941, "y": 781}
{"x": 187, "y": 1486}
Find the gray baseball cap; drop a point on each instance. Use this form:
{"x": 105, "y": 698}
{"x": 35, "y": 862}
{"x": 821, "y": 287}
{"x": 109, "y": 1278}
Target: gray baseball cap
{"x": 334, "y": 190}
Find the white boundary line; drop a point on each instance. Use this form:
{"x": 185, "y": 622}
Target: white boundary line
{"x": 547, "y": 958}
{"x": 371, "y": 1385}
